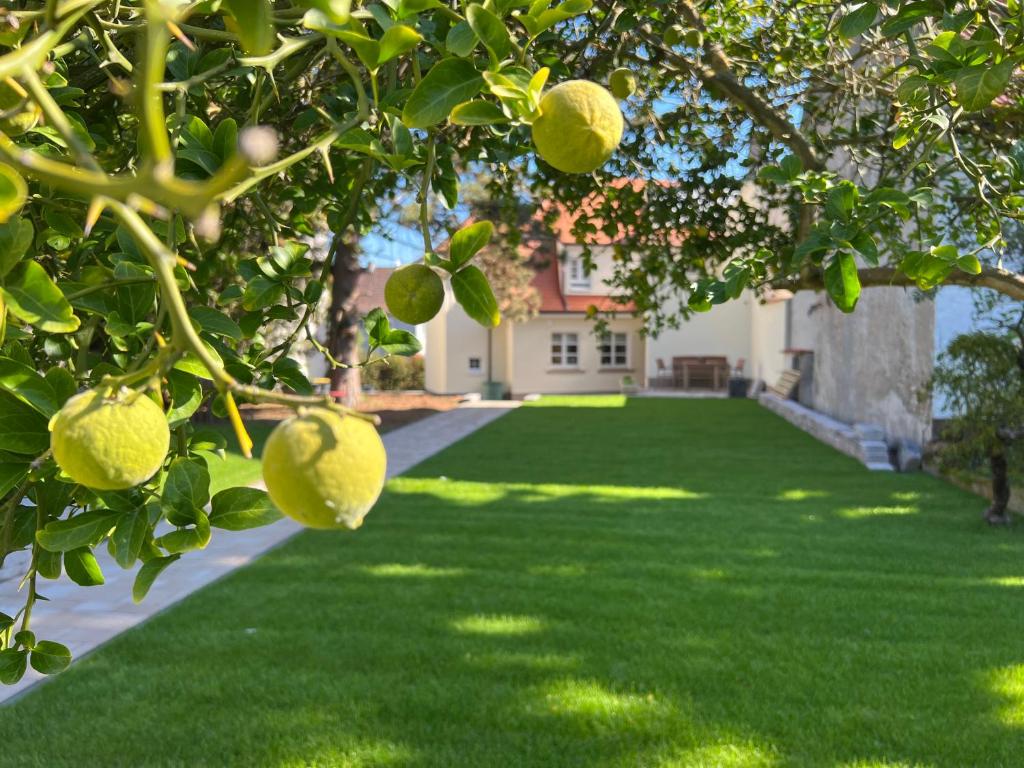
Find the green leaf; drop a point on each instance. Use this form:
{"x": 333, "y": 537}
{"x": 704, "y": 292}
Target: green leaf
{"x": 34, "y": 298}
{"x": 147, "y": 575}
{"x": 12, "y": 665}
{"x": 366, "y": 48}
{"x": 81, "y": 567}
{"x": 13, "y": 192}
{"x": 186, "y": 539}
{"x": 477, "y": 112}
{"x": 977, "y": 86}
{"x": 792, "y": 166}
{"x": 81, "y": 530}
{"x": 909, "y": 15}
{"x": 865, "y": 245}
{"x": 461, "y": 39}
{"x": 134, "y": 302}
{"x": 22, "y": 428}
{"x": 186, "y": 395}
{"x": 490, "y": 29}
{"x": 288, "y": 371}
{"x": 225, "y": 138}
{"x": 397, "y": 40}
{"x": 191, "y": 364}
{"x": 28, "y": 386}
{"x": 48, "y": 564}
{"x": 449, "y": 83}
{"x": 535, "y": 24}
{"x": 186, "y": 489}
{"x": 16, "y": 236}
{"x": 254, "y": 24}
{"x": 842, "y": 281}
{"x": 410, "y": 7}
{"x": 969, "y": 263}
{"x": 857, "y": 21}
{"x": 468, "y": 241}
{"x": 260, "y": 293}
{"x": 474, "y": 294}
{"x": 128, "y": 537}
{"x": 49, "y": 658}
{"x": 63, "y": 384}
{"x": 239, "y": 509}
{"x": 841, "y": 200}
{"x": 11, "y": 473}
{"x": 376, "y": 325}
{"x": 216, "y": 322}
{"x": 400, "y": 342}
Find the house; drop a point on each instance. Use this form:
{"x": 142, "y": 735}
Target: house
{"x": 558, "y": 352}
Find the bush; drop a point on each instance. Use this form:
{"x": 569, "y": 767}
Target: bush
{"x": 397, "y": 373}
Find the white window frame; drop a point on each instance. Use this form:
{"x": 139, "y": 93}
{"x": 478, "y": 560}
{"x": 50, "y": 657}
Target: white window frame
{"x": 478, "y": 371}
{"x": 609, "y": 348}
{"x": 560, "y": 341}
{"x": 577, "y": 278}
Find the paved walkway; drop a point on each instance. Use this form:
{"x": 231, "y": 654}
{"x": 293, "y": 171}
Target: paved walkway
{"x": 84, "y": 618}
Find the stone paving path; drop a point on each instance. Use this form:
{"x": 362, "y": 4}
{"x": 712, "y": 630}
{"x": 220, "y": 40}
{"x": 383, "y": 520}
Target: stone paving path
{"x": 85, "y": 618}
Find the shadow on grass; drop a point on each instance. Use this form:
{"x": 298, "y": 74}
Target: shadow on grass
{"x": 686, "y": 586}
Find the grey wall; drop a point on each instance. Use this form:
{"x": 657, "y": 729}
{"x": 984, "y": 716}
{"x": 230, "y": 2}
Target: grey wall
{"x": 869, "y": 366}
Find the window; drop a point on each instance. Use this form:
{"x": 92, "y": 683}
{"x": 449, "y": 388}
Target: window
{"x": 579, "y": 280}
{"x": 565, "y": 350}
{"x": 614, "y": 349}
{"x": 474, "y": 365}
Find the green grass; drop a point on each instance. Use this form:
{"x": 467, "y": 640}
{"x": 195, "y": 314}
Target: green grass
{"x": 233, "y": 469}
{"x": 585, "y": 583}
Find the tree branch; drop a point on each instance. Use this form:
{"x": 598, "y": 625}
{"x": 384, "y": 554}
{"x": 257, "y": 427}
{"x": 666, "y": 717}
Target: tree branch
{"x": 1002, "y": 280}
{"x": 717, "y": 73}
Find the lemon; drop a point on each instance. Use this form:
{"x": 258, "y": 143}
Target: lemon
{"x": 24, "y": 114}
{"x": 109, "y": 440}
{"x": 414, "y": 293}
{"x": 622, "y": 83}
{"x": 324, "y": 470}
{"x": 579, "y": 127}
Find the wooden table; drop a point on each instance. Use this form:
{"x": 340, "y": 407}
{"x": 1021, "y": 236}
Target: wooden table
{"x": 710, "y": 371}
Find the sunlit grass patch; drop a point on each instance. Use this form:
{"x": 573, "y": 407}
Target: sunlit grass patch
{"x": 801, "y": 494}
{"x": 1006, "y": 581}
{"x": 857, "y": 513}
{"x": 415, "y": 570}
{"x": 470, "y": 492}
{"x": 1008, "y": 684}
{"x": 593, "y": 701}
{"x": 498, "y": 625}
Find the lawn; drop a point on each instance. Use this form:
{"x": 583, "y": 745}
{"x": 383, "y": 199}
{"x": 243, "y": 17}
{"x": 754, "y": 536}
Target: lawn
{"x": 586, "y": 582}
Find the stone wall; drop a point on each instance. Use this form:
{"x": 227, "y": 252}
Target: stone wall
{"x": 870, "y": 366}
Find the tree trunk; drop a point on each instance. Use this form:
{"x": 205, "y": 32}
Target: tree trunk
{"x": 997, "y": 514}
{"x": 343, "y": 324}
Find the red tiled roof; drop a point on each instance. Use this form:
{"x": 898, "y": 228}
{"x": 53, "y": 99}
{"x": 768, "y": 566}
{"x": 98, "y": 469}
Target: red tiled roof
{"x": 605, "y": 235}
{"x": 544, "y": 258}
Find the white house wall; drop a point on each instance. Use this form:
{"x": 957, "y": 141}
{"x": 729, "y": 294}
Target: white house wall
{"x": 531, "y": 356}
{"x": 767, "y": 342}
{"x": 725, "y": 330}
